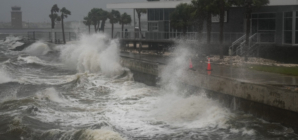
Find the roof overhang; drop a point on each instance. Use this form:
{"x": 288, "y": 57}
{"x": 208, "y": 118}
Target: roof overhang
{"x": 173, "y": 4}
{"x": 282, "y": 2}
{"x": 147, "y": 5}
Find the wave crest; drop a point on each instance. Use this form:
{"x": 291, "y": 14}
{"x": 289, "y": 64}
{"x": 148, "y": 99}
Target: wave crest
{"x": 37, "y": 48}
{"x": 92, "y": 53}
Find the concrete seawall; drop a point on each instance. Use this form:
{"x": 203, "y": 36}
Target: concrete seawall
{"x": 271, "y": 103}
{"x": 144, "y": 71}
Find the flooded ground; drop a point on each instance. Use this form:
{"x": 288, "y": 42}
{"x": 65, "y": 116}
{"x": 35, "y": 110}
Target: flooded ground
{"x": 79, "y": 91}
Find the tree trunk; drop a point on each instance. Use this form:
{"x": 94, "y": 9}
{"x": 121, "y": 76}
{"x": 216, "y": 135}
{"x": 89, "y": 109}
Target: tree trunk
{"x": 103, "y": 25}
{"x": 184, "y": 31}
{"x": 98, "y": 23}
{"x": 140, "y": 30}
{"x": 248, "y": 16}
{"x": 209, "y": 27}
{"x": 122, "y": 30}
{"x": 62, "y": 18}
{"x": 52, "y": 19}
{"x": 221, "y": 25}
{"x": 52, "y": 35}
{"x": 95, "y": 28}
{"x": 200, "y": 27}
{"x": 112, "y": 30}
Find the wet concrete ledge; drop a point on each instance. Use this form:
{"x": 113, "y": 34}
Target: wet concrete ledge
{"x": 271, "y": 103}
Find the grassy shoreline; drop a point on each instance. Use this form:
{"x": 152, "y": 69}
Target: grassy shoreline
{"x": 293, "y": 71}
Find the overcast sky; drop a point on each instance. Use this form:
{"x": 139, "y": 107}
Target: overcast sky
{"x": 39, "y": 10}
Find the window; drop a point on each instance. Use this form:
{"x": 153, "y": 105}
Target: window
{"x": 167, "y": 14}
{"x": 153, "y": 26}
{"x": 157, "y": 14}
{"x": 288, "y": 26}
{"x": 267, "y": 15}
{"x": 161, "y": 12}
{"x": 266, "y": 24}
{"x": 263, "y": 22}
{"x": 150, "y": 14}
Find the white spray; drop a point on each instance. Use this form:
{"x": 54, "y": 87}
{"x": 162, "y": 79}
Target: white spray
{"x": 92, "y": 53}
{"x": 192, "y": 111}
{"x": 4, "y": 76}
{"x": 37, "y": 48}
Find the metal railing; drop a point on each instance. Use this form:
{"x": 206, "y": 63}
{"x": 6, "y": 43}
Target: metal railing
{"x": 47, "y": 36}
{"x": 147, "y": 35}
{"x": 238, "y": 41}
{"x": 254, "y": 41}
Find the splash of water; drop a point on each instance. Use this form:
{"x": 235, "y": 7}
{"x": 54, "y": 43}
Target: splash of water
{"x": 101, "y": 134}
{"x": 4, "y": 76}
{"x": 175, "y": 69}
{"x": 31, "y": 60}
{"x": 196, "y": 111}
{"x": 104, "y": 133}
{"x": 37, "y": 49}
{"x": 92, "y": 53}
{"x": 174, "y": 107}
{"x": 16, "y": 44}
{"x": 11, "y": 39}
{"x": 50, "y": 94}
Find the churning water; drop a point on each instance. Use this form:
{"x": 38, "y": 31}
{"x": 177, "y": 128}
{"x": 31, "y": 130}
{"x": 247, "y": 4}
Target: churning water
{"x": 78, "y": 91}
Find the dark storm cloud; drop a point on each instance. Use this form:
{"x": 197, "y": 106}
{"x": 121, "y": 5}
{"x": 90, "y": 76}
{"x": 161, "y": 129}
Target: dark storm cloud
{"x": 39, "y": 10}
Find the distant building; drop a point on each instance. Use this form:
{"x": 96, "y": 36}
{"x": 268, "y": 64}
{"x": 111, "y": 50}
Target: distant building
{"x": 16, "y": 17}
{"x": 276, "y": 23}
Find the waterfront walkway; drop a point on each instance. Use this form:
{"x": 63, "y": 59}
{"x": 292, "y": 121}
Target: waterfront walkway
{"x": 238, "y": 73}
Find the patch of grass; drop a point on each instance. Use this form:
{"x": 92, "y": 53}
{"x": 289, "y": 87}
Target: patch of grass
{"x": 276, "y": 69}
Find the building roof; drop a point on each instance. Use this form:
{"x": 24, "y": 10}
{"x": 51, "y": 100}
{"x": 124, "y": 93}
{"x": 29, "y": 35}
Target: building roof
{"x": 147, "y": 5}
{"x": 173, "y": 4}
{"x": 282, "y": 2}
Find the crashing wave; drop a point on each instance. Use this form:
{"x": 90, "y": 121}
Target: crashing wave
{"x": 92, "y": 53}
{"x": 4, "y": 76}
{"x": 37, "y": 49}
{"x": 50, "y": 94}
{"x": 86, "y": 134}
{"x": 36, "y": 60}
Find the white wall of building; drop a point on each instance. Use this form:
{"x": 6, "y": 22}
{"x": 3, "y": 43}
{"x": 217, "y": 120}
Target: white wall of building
{"x": 147, "y": 5}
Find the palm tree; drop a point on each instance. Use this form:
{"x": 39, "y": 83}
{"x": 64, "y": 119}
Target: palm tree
{"x": 64, "y": 14}
{"x": 204, "y": 9}
{"x": 94, "y": 14}
{"x": 181, "y": 17}
{"x": 124, "y": 19}
{"x": 249, "y": 5}
{"x": 200, "y": 14}
{"x": 221, "y": 7}
{"x": 139, "y": 13}
{"x": 87, "y": 21}
{"x": 104, "y": 16}
{"x": 53, "y": 16}
{"x": 114, "y": 18}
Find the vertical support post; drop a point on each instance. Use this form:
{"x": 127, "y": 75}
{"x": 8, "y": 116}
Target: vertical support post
{"x": 134, "y": 25}
{"x": 293, "y": 27}
{"x": 55, "y": 37}
{"x": 134, "y": 22}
